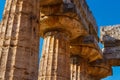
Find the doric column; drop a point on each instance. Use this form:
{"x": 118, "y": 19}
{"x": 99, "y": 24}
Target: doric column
{"x": 79, "y": 68}
{"x": 55, "y": 61}
{"x": 19, "y": 40}
{"x": 74, "y": 68}
{"x": 83, "y": 66}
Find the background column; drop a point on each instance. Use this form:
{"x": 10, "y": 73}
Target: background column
{"x": 54, "y": 64}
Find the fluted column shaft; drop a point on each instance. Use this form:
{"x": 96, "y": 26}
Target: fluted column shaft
{"x": 55, "y": 61}
{"x": 74, "y": 68}
{"x": 19, "y": 40}
{"x": 79, "y": 69}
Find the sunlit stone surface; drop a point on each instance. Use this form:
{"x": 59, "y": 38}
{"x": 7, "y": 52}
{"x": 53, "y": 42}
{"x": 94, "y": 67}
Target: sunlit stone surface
{"x": 70, "y": 49}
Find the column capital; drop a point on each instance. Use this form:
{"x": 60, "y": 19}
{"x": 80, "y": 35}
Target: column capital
{"x": 58, "y": 34}
{"x": 100, "y": 69}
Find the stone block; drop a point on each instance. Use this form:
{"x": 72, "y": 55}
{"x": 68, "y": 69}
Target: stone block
{"x": 110, "y": 35}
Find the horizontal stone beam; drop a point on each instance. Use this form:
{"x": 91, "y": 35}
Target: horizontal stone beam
{"x": 89, "y": 40}
{"x": 49, "y": 2}
{"x": 112, "y": 55}
{"x": 112, "y": 52}
{"x": 114, "y": 62}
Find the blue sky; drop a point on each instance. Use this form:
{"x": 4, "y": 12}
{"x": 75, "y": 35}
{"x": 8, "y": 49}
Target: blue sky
{"x": 106, "y": 12}
{"x": 1, "y": 8}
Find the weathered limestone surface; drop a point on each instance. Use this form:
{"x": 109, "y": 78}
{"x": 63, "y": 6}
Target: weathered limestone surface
{"x": 73, "y": 16}
{"x": 68, "y": 29}
{"x": 112, "y": 52}
{"x": 78, "y": 69}
{"x": 110, "y": 37}
{"x": 82, "y": 70}
{"x": 86, "y": 47}
{"x": 19, "y": 40}
{"x": 99, "y": 69}
{"x": 85, "y": 16}
{"x": 55, "y": 61}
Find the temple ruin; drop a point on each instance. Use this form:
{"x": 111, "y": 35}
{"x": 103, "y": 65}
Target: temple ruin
{"x": 70, "y": 48}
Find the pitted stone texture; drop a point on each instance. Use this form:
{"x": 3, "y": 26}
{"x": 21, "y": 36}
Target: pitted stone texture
{"x": 99, "y": 69}
{"x": 86, "y": 47}
{"x": 73, "y": 16}
{"x": 110, "y": 35}
{"x": 86, "y": 15}
{"x": 50, "y": 2}
{"x": 75, "y": 71}
{"x": 19, "y": 40}
{"x": 55, "y": 61}
{"x": 112, "y": 52}
{"x": 80, "y": 69}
